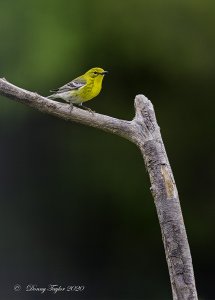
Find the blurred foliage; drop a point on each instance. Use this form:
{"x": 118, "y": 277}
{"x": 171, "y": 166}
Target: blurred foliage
{"x": 76, "y": 206}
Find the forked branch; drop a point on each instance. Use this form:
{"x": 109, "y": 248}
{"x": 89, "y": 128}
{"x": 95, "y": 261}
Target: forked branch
{"x": 143, "y": 131}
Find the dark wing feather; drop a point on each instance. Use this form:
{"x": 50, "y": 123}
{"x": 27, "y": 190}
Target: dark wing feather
{"x": 72, "y": 85}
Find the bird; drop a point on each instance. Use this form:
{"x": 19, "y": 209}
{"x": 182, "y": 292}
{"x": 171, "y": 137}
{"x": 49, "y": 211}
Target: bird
{"x": 81, "y": 89}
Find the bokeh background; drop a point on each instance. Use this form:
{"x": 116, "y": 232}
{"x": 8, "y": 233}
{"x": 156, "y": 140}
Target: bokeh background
{"x": 75, "y": 202}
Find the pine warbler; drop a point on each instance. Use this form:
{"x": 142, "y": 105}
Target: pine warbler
{"x": 81, "y": 89}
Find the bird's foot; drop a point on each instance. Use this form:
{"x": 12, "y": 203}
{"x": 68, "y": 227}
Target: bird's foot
{"x": 71, "y": 107}
{"x": 85, "y": 108}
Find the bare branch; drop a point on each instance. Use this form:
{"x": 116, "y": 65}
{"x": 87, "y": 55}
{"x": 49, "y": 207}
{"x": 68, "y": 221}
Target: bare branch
{"x": 144, "y": 131}
{"x": 62, "y": 110}
{"x": 167, "y": 203}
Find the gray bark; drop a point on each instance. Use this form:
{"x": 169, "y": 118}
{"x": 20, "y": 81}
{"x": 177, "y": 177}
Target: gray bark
{"x": 143, "y": 131}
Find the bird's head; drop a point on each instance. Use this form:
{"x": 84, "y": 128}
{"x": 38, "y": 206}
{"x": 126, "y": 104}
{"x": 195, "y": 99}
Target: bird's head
{"x": 94, "y": 72}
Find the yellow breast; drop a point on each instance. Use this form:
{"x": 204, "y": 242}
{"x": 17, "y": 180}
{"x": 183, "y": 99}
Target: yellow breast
{"x": 92, "y": 88}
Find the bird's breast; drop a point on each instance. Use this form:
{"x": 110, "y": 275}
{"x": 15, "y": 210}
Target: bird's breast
{"x": 92, "y": 89}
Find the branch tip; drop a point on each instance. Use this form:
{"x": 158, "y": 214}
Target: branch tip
{"x": 141, "y": 103}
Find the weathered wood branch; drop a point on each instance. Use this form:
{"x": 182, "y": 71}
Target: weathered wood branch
{"x": 143, "y": 131}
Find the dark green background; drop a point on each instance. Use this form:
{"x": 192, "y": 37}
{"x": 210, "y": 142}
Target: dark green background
{"x": 75, "y": 202}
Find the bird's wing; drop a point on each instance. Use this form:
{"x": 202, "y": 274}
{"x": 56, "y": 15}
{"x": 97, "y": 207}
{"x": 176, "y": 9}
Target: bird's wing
{"x": 72, "y": 85}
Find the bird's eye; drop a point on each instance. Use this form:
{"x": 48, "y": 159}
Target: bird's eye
{"x": 95, "y": 72}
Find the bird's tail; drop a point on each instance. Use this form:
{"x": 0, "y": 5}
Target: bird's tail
{"x": 53, "y": 96}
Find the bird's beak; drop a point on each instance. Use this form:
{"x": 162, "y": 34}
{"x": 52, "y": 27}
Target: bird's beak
{"x": 104, "y": 73}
